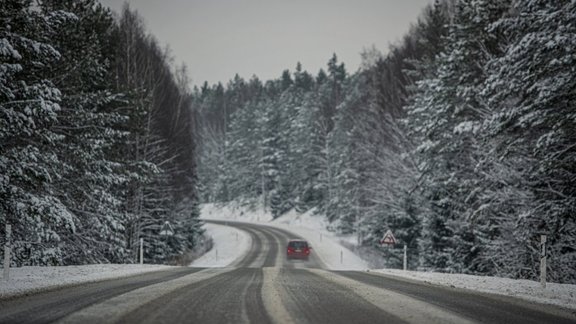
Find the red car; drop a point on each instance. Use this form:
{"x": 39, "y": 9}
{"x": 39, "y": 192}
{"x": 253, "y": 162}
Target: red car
{"x": 298, "y": 249}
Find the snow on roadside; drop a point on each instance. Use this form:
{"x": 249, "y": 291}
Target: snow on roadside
{"x": 324, "y": 243}
{"x": 563, "y": 295}
{"x": 234, "y": 211}
{"x": 26, "y": 280}
{"x": 309, "y": 226}
{"x": 327, "y": 246}
{"x": 230, "y": 244}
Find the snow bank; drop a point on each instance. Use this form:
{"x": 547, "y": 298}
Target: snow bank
{"x": 327, "y": 246}
{"x": 563, "y": 295}
{"x": 309, "y": 226}
{"x": 230, "y": 245}
{"x": 235, "y": 211}
{"x": 34, "y": 279}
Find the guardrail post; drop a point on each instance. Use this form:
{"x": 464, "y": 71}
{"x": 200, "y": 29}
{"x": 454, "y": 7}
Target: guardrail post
{"x": 7, "y": 252}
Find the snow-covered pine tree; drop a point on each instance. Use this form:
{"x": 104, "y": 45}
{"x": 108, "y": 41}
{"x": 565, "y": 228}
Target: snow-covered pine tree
{"x": 211, "y": 149}
{"x": 347, "y": 158}
{"x": 245, "y": 151}
{"x": 530, "y": 90}
{"x": 330, "y": 95}
{"x": 308, "y": 143}
{"x": 275, "y": 148}
{"x": 29, "y": 106}
{"x": 89, "y": 128}
{"x": 386, "y": 174}
{"x": 446, "y": 114}
{"x": 156, "y": 155}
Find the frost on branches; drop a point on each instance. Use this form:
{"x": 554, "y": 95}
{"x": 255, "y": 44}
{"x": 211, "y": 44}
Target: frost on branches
{"x": 29, "y": 106}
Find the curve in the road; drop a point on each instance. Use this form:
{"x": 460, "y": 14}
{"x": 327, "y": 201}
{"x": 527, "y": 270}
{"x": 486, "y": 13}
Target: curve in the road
{"x": 264, "y": 287}
{"x": 270, "y": 242}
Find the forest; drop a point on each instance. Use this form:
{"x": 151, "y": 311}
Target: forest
{"x": 96, "y": 138}
{"x": 461, "y": 139}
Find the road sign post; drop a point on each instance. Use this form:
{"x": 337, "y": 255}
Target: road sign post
{"x": 7, "y": 252}
{"x": 167, "y": 230}
{"x": 543, "y": 261}
{"x": 389, "y": 239}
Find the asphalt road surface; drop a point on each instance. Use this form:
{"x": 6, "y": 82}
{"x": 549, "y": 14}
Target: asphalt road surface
{"x": 264, "y": 287}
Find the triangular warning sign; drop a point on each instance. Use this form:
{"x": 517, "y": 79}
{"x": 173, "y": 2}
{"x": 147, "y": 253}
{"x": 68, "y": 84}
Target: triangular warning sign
{"x": 388, "y": 238}
{"x": 167, "y": 229}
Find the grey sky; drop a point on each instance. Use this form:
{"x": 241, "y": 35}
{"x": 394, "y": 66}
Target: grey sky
{"x": 219, "y": 38}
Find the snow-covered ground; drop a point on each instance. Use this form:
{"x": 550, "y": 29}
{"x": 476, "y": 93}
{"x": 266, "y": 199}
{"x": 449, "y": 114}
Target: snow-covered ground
{"x": 309, "y": 226}
{"x": 235, "y": 211}
{"x": 230, "y": 245}
{"x": 327, "y": 245}
{"x": 34, "y": 279}
{"x": 557, "y": 294}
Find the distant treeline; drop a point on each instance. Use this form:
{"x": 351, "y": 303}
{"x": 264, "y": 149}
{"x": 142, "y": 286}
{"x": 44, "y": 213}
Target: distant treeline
{"x": 96, "y": 137}
{"x": 461, "y": 140}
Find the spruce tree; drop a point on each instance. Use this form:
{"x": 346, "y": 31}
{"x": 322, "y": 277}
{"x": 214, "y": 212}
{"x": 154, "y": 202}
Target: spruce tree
{"x": 29, "y": 106}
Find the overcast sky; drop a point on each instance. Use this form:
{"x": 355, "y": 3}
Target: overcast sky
{"x": 219, "y": 38}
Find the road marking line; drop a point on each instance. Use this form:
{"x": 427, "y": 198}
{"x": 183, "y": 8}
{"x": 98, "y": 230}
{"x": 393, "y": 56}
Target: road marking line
{"x": 271, "y": 296}
{"x": 112, "y": 310}
{"x": 406, "y": 308}
{"x": 264, "y": 250}
{"x": 279, "y": 247}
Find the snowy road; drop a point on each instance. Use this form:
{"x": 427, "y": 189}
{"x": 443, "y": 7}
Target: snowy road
{"x": 263, "y": 287}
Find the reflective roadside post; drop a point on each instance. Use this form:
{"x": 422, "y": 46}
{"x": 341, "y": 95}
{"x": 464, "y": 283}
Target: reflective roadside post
{"x": 405, "y": 261}
{"x": 7, "y": 252}
{"x": 141, "y": 250}
{"x": 543, "y": 261}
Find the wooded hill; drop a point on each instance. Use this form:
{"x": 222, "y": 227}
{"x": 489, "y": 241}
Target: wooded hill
{"x": 96, "y": 137}
{"x": 461, "y": 140}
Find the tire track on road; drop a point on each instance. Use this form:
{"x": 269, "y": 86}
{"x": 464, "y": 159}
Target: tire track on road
{"x": 480, "y": 307}
{"x": 52, "y": 305}
{"x": 113, "y": 309}
{"x": 231, "y": 297}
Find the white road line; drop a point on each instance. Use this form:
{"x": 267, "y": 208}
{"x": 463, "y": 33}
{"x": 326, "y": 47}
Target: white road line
{"x": 271, "y": 291}
{"x": 112, "y": 310}
{"x": 265, "y": 248}
{"x": 406, "y": 308}
{"x": 280, "y": 256}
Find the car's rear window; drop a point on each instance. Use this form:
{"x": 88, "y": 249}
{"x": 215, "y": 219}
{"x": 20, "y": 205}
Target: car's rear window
{"x": 298, "y": 244}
